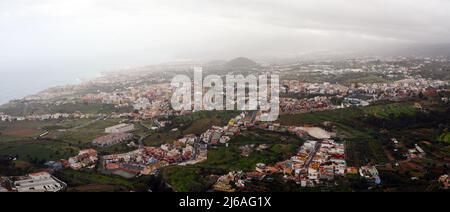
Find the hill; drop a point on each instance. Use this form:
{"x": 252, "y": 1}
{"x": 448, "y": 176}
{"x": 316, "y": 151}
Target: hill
{"x": 241, "y": 63}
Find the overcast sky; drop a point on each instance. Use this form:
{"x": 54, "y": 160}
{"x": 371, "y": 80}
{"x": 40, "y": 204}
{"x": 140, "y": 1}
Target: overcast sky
{"x": 47, "y": 42}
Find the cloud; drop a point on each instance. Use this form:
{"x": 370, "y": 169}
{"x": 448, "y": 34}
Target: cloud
{"x": 56, "y": 41}
{"x": 114, "y": 32}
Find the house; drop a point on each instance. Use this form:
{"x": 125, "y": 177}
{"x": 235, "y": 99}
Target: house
{"x": 370, "y": 172}
{"x": 313, "y": 174}
{"x": 352, "y": 170}
{"x": 418, "y": 106}
{"x": 216, "y": 137}
{"x": 420, "y": 150}
{"x": 224, "y": 139}
{"x": 445, "y": 180}
{"x": 85, "y": 159}
{"x": 260, "y": 167}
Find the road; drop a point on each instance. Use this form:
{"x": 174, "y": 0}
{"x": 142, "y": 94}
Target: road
{"x": 312, "y": 154}
{"x": 89, "y": 123}
{"x": 141, "y": 140}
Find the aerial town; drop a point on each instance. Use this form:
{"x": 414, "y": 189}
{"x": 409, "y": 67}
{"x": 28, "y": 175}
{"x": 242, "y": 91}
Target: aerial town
{"x": 341, "y": 124}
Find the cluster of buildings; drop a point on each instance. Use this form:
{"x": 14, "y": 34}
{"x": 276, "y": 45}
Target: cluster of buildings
{"x": 236, "y": 179}
{"x": 117, "y": 134}
{"x": 370, "y": 173}
{"x": 190, "y": 149}
{"x": 246, "y": 150}
{"x": 149, "y": 101}
{"x": 411, "y": 153}
{"x": 445, "y": 181}
{"x": 416, "y": 152}
{"x": 46, "y": 117}
{"x": 318, "y": 103}
{"x": 295, "y": 87}
{"x": 216, "y": 135}
{"x": 34, "y": 182}
{"x": 400, "y": 89}
{"x": 86, "y": 159}
{"x": 355, "y": 94}
{"x": 147, "y": 160}
{"x": 221, "y": 135}
{"x": 112, "y": 139}
{"x": 316, "y": 161}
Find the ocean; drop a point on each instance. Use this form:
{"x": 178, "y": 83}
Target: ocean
{"x": 18, "y": 84}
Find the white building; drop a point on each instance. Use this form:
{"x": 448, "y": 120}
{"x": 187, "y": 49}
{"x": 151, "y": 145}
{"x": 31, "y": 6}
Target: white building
{"x": 39, "y": 182}
{"x": 142, "y": 104}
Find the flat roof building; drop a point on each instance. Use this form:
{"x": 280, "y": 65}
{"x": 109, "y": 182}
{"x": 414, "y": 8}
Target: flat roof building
{"x": 39, "y": 182}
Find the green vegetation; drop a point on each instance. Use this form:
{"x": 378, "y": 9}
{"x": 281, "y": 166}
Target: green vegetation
{"x": 347, "y": 115}
{"x": 86, "y": 134}
{"x": 317, "y": 77}
{"x": 366, "y": 131}
{"x": 196, "y": 123}
{"x": 76, "y": 178}
{"x": 91, "y": 181}
{"x": 445, "y": 137}
{"x": 39, "y": 152}
{"x": 162, "y": 137}
{"x": 199, "y": 122}
{"x": 21, "y": 108}
{"x": 14, "y": 131}
{"x": 281, "y": 147}
{"x": 184, "y": 179}
{"x": 222, "y": 160}
{"x": 359, "y": 127}
{"x": 19, "y": 138}
{"x": 360, "y": 78}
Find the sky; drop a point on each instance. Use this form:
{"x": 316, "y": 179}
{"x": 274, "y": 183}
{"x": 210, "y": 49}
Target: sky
{"x": 45, "y": 43}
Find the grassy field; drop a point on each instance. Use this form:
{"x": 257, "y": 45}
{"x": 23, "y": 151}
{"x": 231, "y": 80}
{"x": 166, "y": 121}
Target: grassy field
{"x": 165, "y": 136}
{"x": 90, "y": 181}
{"x": 23, "y": 109}
{"x": 87, "y": 134}
{"x": 13, "y": 131}
{"x": 39, "y": 151}
{"x": 184, "y": 179}
{"x": 61, "y": 144}
{"x": 77, "y": 178}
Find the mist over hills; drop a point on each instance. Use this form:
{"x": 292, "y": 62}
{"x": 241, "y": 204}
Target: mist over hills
{"x": 407, "y": 50}
{"x": 244, "y": 65}
{"x": 241, "y": 63}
